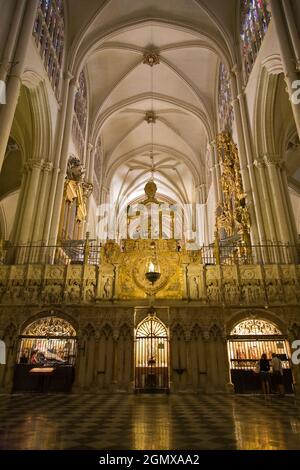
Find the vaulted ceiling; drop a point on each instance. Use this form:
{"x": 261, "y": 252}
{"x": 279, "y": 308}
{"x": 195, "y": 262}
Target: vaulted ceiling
{"x": 110, "y": 39}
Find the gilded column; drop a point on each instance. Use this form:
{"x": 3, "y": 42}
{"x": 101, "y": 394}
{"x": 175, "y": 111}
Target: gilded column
{"x": 14, "y": 82}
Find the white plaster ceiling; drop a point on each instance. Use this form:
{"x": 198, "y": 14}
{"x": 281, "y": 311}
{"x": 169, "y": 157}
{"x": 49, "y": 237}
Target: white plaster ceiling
{"x": 112, "y": 39}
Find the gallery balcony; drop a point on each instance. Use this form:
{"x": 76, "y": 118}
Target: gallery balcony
{"x": 85, "y": 272}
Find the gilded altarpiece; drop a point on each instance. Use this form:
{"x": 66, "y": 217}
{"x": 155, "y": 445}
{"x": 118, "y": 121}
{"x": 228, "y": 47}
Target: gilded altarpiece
{"x": 129, "y": 268}
{"x": 232, "y": 214}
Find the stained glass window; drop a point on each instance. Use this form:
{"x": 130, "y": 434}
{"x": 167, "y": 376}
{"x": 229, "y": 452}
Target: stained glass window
{"x": 80, "y": 115}
{"x": 225, "y": 109}
{"x": 49, "y": 36}
{"x": 255, "y": 19}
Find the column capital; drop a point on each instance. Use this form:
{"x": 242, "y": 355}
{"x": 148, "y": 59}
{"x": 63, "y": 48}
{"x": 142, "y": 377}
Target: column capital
{"x": 272, "y": 160}
{"x": 201, "y": 188}
{"x": 48, "y": 166}
{"x": 259, "y": 162}
{"x": 235, "y": 69}
{"x": 68, "y": 75}
{"x": 34, "y": 164}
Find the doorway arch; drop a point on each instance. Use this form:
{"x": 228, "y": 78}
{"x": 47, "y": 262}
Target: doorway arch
{"x": 248, "y": 340}
{"x": 152, "y": 355}
{"x": 46, "y": 356}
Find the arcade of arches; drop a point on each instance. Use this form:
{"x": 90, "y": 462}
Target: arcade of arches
{"x": 149, "y": 194}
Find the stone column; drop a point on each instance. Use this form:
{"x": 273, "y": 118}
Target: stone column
{"x": 7, "y": 111}
{"x": 201, "y": 216}
{"x": 272, "y": 162}
{"x": 187, "y": 339}
{"x": 216, "y": 173}
{"x": 285, "y": 33}
{"x": 20, "y": 206}
{"x": 270, "y": 229}
{"x": 209, "y": 364}
{"x": 59, "y": 141}
{"x": 90, "y": 178}
{"x": 10, "y": 365}
{"x": 79, "y": 365}
{"x": 11, "y": 41}
{"x": 289, "y": 208}
{"x": 294, "y": 33}
{"x": 229, "y": 387}
{"x": 59, "y": 186}
{"x": 246, "y": 160}
{"x": 31, "y": 200}
{"x": 115, "y": 358}
{"x": 40, "y": 212}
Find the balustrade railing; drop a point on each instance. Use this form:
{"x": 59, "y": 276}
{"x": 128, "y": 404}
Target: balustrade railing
{"x": 89, "y": 252}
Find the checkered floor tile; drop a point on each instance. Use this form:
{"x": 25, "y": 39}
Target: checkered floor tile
{"x": 155, "y": 422}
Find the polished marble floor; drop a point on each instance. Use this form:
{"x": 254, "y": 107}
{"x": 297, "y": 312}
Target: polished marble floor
{"x": 149, "y": 422}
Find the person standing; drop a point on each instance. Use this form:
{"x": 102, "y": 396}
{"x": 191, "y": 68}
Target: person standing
{"x": 277, "y": 374}
{"x": 264, "y": 370}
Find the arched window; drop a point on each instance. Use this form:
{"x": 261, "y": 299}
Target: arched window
{"x": 80, "y": 115}
{"x": 49, "y": 36}
{"x": 255, "y": 19}
{"x": 225, "y": 109}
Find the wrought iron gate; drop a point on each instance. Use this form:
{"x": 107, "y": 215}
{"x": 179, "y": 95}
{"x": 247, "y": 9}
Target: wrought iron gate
{"x": 151, "y": 356}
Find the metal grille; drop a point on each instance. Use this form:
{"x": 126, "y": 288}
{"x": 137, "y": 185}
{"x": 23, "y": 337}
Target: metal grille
{"x": 244, "y": 353}
{"x": 77, "y": 252}
{"x": 151, "y": 356}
